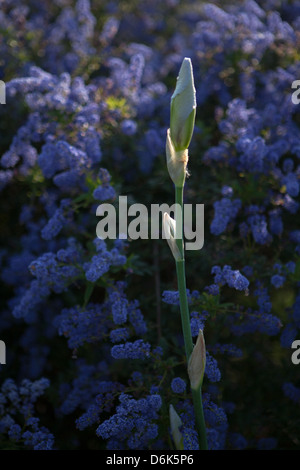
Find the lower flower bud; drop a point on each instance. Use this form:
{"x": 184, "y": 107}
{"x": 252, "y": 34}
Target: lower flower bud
{"x": 175, "y": 424}
{"x": 197, "y": 361}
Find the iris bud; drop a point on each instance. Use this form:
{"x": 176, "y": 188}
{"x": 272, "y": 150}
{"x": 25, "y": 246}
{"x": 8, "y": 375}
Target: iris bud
{"x": 175, "y": 424}
{"x": 182, "y": 121}
{"x": 183, "y": 107}
{"x": 197, "y": 361}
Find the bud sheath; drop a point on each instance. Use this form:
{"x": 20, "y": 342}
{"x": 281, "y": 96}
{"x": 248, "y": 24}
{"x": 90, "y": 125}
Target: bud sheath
{"x": 176, "y": 162}
{"x": 169, "y": 226}
{"x": 197, "y": 361}
{"x": 175, "y": 424}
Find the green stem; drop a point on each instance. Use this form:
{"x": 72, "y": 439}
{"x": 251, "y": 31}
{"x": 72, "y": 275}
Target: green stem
{"x": 184, "y": 308}
{"x": 185, "y": 317}
{"x": 199, "y": 418}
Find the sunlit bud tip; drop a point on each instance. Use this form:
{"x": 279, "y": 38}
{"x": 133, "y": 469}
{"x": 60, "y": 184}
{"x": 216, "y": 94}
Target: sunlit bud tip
{"x": 183, "y": 107}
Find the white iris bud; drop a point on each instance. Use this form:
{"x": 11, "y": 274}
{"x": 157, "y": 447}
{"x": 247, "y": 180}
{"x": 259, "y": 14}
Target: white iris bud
{"x": 197, "y": 362}
{"x": 175, "y": 424}
{"x": 183, "y": 107}
{"x": 182, "y": 121}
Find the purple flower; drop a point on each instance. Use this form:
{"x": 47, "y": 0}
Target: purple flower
{"x": 104, "y": 192}
{"x": 226, "y": 211}
{"x": 277, "y": 280}
{"x": 128, "y": 127}
{"x": 136, "y": 350}
{"x": 178, "y": 385}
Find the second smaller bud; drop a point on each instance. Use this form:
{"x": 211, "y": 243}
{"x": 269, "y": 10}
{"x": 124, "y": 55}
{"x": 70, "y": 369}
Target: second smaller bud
{"x": 197, "y": 362}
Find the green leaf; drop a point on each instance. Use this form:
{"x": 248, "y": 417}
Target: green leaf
{"x": 88, "y": 292}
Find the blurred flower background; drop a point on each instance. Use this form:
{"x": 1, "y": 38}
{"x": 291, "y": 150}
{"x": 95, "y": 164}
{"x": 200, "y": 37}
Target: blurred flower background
{"x": 95, "y": 353}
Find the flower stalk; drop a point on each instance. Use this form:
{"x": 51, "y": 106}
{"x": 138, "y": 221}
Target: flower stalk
{"x": 183, "y": 110}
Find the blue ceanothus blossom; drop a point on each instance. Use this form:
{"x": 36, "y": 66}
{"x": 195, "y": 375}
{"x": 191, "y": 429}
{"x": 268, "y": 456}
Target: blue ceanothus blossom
{"x": 94, "y": 352}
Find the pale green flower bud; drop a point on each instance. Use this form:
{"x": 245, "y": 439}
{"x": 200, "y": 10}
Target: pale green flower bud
{"x": 183, "y": 107}
{"x": 175, "y": 423}
{"x": 169, "y": 226}
{"x": 197, "y": 361}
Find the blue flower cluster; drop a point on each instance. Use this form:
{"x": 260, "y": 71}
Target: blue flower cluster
{"x": 226, "y": 210}
{"x": 134, "y": 422}
{"x": 230, "y": 277}
{"x": 17, "y": 414}
{"x": 96, "y": 322}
